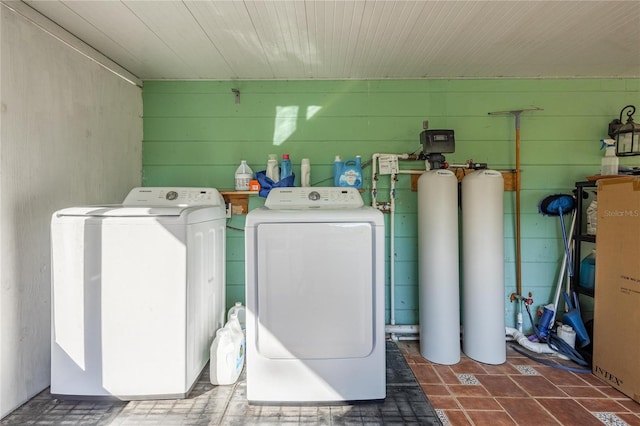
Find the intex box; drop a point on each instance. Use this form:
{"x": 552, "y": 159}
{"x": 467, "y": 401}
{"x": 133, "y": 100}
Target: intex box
{"x": 616, "y": 334}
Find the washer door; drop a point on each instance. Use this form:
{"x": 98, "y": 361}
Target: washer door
{"x": 315, "y": 288}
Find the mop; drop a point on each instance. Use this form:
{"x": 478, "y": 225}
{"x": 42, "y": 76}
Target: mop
{"x": 559, "y": 205}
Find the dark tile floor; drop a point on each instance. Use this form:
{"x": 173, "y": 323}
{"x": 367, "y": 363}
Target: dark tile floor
{"x": 406, "y": 404}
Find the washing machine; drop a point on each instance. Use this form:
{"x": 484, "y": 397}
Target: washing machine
{"x": 138, "y": 292}
{"x": 315, "y": 298}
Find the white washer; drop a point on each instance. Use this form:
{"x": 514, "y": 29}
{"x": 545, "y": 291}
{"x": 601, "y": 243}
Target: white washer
{"x": 315, "y": 298}
{"x": 138, "y": 292}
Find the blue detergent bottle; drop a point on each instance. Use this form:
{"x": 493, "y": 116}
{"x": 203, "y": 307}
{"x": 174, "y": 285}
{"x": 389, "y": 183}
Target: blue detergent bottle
{"x": 338, "y": 165}
{"x": 285, "y": 167}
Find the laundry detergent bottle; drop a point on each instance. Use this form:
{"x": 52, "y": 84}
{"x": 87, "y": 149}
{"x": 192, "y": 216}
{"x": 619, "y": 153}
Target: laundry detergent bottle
{"x": 240, "y": 312}
{"x": 351, "y": 175}
{"x": 273, "y": 170}
{"x": 222, "y": 365}
{"x": 305, "y": 172}
{"x": 227, "y": 353}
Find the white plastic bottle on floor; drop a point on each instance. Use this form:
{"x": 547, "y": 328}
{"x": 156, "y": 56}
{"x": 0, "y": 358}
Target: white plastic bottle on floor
{"x": 233, "y": 324}
{"x": 222, "y": 365}
{"x": 243, "y": 176}
{"x": 227, "y": 353}
{"x": 240, "y": 311}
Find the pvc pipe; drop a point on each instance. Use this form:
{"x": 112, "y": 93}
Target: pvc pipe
{"x": 540, "y": 348}
{"x": 392, "y": 263}
{"x": 374, "y": 178}
{"x": 401, "y": 329}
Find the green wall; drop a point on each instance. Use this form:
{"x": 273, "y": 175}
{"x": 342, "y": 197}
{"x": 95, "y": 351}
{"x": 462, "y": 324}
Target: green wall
{"x": 195, "y": 134}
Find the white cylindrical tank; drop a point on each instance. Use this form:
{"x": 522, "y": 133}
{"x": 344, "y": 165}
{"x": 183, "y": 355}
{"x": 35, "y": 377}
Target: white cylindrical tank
{"x": 438, "y": 267}
{"x": 483, "y": 336}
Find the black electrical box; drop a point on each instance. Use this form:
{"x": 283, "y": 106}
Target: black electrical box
{"x": 437, "y": 141}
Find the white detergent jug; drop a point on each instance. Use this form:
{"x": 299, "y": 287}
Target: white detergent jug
{"x": 233, "y": 324}
{"x": 240, "y": 311}
{"x": 224, "y": 353}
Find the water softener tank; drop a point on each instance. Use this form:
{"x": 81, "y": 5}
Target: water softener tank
{"x": 483, "y": 294}
{"x": 438, "y": 267}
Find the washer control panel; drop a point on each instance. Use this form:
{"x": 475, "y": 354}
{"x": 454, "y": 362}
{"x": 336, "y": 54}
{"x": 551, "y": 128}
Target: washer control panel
{"x": 298, "y": 198}
{"x": 172, "y": 196}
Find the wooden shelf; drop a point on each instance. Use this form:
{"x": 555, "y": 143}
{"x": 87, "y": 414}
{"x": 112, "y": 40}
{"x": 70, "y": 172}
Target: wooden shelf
{"x": 239, "y": 200}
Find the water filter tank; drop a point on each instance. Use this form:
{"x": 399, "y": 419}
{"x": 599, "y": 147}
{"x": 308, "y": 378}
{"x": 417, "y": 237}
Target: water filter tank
{"x": 483, "y": 337}
{"x": 438, "y": 269}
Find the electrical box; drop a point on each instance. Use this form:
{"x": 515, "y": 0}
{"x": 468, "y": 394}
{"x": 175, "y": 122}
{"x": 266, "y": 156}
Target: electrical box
{"x": 437, "y": 141}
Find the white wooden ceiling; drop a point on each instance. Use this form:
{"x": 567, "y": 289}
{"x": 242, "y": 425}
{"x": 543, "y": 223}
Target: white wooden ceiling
{"x": 365, "y": 39}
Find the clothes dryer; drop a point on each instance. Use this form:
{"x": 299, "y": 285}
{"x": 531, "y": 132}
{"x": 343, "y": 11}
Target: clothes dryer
{"x": 138, "y": 292}
{"x": 315, "y": 298}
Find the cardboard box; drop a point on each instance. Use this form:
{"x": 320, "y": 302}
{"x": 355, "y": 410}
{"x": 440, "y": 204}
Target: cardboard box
{"x": 616, "y": 334}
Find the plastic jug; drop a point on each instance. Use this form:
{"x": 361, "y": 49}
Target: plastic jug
{"x": 351, "y": 174}
{"x": 588, "y": 270}
{"x": 273, "y": 171}
{"x": 227, "y": 353}
{"x": 244, "y": 174}
{"x": 233, "y": 324}
{"x": 224, "y": 353}
{"x": 240, "y": 312}
{"x": 305, "y": 172}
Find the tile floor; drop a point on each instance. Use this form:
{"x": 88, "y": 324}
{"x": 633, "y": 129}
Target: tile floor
{"x": 405, "y": 404}
{"x": 519, "y": 392}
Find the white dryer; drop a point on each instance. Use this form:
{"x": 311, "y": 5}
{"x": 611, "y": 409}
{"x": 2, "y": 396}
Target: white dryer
{"x": 315, "y": 298}
{"x": 138, "y": 292}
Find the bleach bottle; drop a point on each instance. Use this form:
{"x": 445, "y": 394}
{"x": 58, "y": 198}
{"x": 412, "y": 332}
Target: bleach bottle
{"x": 351, "y": 173}
{"x": 609, "y": 163}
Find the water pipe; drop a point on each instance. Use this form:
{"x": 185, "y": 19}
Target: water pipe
{"x": 540, "y": 348}
{"x": 392, "y": 269}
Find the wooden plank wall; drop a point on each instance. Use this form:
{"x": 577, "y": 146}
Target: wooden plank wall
{"x": 195, "y": 134}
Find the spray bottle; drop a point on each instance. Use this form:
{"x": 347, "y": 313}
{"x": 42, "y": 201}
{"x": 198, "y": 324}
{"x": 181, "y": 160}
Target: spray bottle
{"x": 609, "y": 163}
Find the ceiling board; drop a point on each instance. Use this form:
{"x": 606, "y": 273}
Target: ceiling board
{"x": 343, "y": 39}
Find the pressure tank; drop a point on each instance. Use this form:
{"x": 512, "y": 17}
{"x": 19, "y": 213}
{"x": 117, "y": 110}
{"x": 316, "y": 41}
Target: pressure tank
{"x": 483, "y": 294}
{"x": 439, "y": 291}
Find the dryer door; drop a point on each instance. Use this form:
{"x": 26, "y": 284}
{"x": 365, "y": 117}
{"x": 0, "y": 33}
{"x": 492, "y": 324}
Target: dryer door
{"x": 315, "y": 286}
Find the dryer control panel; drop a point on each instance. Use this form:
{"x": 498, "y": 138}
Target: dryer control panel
{"x": 172, "y": 197}
{"x": 299, "y": 198}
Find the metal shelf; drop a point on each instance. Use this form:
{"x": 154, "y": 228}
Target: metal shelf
{"x": 579, "y": 237}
